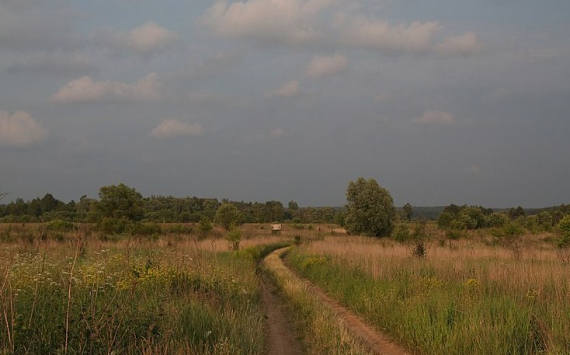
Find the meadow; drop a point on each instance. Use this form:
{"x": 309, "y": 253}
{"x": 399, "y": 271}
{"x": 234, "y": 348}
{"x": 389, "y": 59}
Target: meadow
{"x": 81, "y": 292}
{"x": 170, "y": 291}
{"x": 466, "y": 296}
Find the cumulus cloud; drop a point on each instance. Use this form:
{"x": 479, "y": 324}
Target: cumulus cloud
{"x": 301, "y": 22}
{"x": 20, "y": 130}
{"x": 360, "y": 31}
{"x": 291, "y": 22}
{"x": 145, "y": 39}
{"x": 435, "y": 117}
{"x": 175, "y": 128}
{"x": 466, "y": 44}
{"x": 85, "y": 90}
{"x": 325, "y": 66}
{"x": 290, "y": 89}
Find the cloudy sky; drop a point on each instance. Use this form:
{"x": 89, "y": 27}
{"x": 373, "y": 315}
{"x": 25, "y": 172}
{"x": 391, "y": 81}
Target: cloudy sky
{"x": 447, "y": 101}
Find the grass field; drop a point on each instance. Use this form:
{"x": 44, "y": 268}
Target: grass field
{"x": 465, "y": 297}
{"x": 83, "y": 293}
{"x": 78, "y": 291}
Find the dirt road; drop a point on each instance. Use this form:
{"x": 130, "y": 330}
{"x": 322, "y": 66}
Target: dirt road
{"x": 280, "y": 335}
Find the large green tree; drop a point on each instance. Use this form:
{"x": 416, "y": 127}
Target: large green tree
{"x": 369, "y": 209}
{"x": 120, "y": 201}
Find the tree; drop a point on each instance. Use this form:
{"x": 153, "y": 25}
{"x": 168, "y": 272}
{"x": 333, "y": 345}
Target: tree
{"x": 369, "y": 209}
{"x": 228, "y": 216}
{"x": 120, "y": 201}
{"x": 564, "y": 226}
{"x": 204, "y": 227}
{"x": 408, "y": 212}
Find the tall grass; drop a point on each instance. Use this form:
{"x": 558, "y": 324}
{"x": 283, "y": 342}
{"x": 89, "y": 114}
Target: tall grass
{"x": 173, "y": 295}
{"x": 467, "y": 298}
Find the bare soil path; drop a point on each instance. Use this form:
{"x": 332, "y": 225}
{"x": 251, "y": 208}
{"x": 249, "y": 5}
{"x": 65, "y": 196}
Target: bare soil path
{"x": 374, "y": 339}
{"x": 280, "y": 334}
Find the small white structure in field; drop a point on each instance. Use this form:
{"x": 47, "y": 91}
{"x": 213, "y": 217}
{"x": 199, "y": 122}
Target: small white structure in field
{"x": 275, "y": 228}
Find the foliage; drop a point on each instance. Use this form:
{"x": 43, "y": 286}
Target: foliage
{"x": 401, "y": 232}
{"x": 234, "y": 238}
{"x": 407, "y": 212}
{"x": 228, "y": 216}
{"x": 120, "y": 202}
{"x": 205, "y": 227}
{"x": 370, "y": 208}
{"x": 564, "y": 226}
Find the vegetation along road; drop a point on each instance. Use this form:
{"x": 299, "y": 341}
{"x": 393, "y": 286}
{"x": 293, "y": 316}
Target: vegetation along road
{"x": 282, "y": 341}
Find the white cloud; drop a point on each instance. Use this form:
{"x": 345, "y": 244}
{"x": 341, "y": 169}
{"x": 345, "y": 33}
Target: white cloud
{"x": 145, "y": 39}
{"x": 360, "y": 31}
{"x": 302, "y": 22}
{"x": 324, "y": 66}
{"x": 85, "y": 89}
{"x": 291, "y": 22}
{"x": 435, "y": 117}
{"x": 20, "y": 130}
{"x": 290, "y": 89}
{"x": 466, "y": 44}
{"x": 174, "y": 128}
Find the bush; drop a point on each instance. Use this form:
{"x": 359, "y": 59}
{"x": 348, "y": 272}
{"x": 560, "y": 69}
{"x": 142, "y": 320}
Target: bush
{"x": 564, "y": 226}
{"x": 401, "y": 233}
{"x": 234, "y": 238}
{"x": 60, "y": 225}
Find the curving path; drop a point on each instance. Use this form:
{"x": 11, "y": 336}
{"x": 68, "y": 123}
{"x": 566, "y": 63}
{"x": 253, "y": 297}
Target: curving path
{"x": 375, "y": 340}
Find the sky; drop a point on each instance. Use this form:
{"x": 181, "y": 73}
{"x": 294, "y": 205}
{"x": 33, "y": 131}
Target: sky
{"x": 447, "y": 101}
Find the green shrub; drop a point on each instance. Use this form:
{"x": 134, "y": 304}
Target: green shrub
{"x": 401, "y": 233}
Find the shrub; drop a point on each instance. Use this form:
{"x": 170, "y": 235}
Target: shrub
{"x": 564, "y": 226}
{"x": 401, "y": 233}
{"x": 234, "y": 238}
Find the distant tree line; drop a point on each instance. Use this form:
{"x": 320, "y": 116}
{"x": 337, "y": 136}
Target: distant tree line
{"x": 123, "y": 202}
{"x": 477, "y": 217}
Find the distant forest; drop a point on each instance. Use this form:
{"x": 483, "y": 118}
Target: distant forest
{"x": 169, "y": 209}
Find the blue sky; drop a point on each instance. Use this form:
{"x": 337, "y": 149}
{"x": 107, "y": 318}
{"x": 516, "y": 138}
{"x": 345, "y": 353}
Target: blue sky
{"x": 441, "y": 102}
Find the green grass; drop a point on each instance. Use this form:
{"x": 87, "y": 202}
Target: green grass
{"x": 433, "y": 315}
{"x": 130, "y": 300}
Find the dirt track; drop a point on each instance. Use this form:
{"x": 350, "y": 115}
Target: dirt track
{"x": 280, "y": 334}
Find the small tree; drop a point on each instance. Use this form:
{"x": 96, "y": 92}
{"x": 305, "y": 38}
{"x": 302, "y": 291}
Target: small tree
{"x": 407, "y": 212}
{"x": 234, "y": 238}
{"x": 564, "y": 226}
{"x": 369, "y": 209}
{"x": 204, "y": 227}
{"x": 228, "y": 216}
